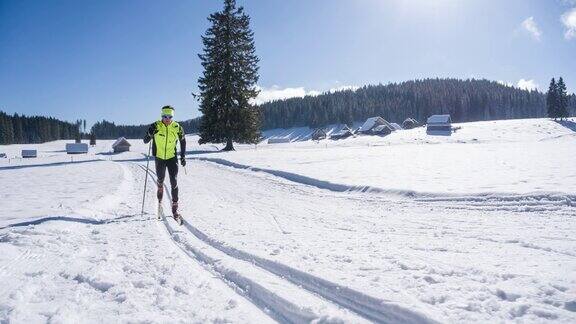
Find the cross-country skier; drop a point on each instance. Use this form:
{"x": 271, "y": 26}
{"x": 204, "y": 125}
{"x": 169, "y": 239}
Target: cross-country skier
{"x": 164, "y": 134}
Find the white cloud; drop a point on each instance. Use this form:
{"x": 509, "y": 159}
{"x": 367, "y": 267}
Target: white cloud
{"x": 277, "y": 93}
{"x": 527, "y": 85}
{"x": 531, "y": 27}
{"x": 569, "y": 21}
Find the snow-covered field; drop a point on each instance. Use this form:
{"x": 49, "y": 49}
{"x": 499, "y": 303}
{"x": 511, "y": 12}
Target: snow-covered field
{"x": 476, "y": 227}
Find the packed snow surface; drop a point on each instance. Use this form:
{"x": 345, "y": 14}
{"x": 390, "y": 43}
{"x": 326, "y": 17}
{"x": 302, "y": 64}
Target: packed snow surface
{"x": 479, "y": 226}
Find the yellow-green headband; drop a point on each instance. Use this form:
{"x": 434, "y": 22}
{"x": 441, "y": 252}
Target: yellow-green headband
{"x": 168, "y": 111}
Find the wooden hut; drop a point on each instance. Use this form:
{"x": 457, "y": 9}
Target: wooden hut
{"x": 121, "y": 145}
{"x": 344, "y": 132}
{"x": 439, "y": 125}
{"x": 27, "y": 154}
{"x": 371, "y": 123}
{"x": 319, "y": 134}
{"x": 382, "y": 130}
{"x": 409, "y": 123}
{"x": 76, "y": 148}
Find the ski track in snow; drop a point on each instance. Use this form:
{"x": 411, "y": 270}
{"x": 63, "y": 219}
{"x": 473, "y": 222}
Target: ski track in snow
{"x": 112, "y": 269}
{"x": 369, "y": 307}
{"x": 446, "y": 236}
{"x": 537, "y": 201}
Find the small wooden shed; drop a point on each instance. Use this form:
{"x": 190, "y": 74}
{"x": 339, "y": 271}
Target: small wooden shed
{"x": 27, "y": 154}
{"x": 121, "y": 145}
{"x": 319, "y": 134}
{"x": 371, "y": 123}
{"x": 409, "y": 123}
{"x": 76, "y": 148}
{"x": 344, "y": 132}
{"x": 382, "y": 130}
{"x": 439, "y": 125}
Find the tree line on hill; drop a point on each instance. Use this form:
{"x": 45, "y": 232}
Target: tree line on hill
{"x": 108, "y": 130}
{"x": 20, "y": 129}
{"x": 465, "y": 100}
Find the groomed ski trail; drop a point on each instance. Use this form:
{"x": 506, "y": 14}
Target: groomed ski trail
{"x": 283, "y": 303}
{"x": 411, "y": 253}
{"x": 296, "y": 282}
{"x": 120, "y": 268}
{"x": 492, "y": 201}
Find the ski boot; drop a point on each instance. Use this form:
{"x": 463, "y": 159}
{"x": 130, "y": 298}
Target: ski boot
{"x": 159, "y": 195}
{"x": 175, "y": 214}
{"x": 160, "y": 210}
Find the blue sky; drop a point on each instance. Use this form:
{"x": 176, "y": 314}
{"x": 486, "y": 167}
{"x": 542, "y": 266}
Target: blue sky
{"x": 123, "y": 60}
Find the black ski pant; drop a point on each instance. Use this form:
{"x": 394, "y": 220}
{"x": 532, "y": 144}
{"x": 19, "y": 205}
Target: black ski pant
{"x": 172, "y": 166}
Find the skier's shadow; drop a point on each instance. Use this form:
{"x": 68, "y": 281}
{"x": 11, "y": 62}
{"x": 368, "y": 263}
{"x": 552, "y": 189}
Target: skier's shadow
{"x": 568, "y": 124}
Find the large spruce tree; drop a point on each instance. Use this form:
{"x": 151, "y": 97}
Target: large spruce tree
{"x": 229, "y": 80}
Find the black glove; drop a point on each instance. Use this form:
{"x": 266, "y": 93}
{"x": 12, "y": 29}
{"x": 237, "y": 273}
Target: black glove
{"x": 150, "y": 133}
{"x": 152, "y": 130}
{"x": 183, "y": 161}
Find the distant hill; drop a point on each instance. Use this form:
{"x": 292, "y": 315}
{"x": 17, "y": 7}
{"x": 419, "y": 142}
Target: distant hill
{"x": 465, "y": 100}
{"x": 20, "y": 129}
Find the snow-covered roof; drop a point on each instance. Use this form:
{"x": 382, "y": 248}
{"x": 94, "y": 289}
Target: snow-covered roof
{"x": 395, "y": 126}
{"x": 371, "y": 122}
{"x": 439, "y": 119}
{"x": 122, "y": 141}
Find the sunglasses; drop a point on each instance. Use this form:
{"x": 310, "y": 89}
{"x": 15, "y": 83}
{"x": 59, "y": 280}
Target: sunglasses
{"x": 167, "y": 116}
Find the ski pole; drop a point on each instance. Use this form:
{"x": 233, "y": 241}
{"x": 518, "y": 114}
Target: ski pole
{"x": 146, "y": 178}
